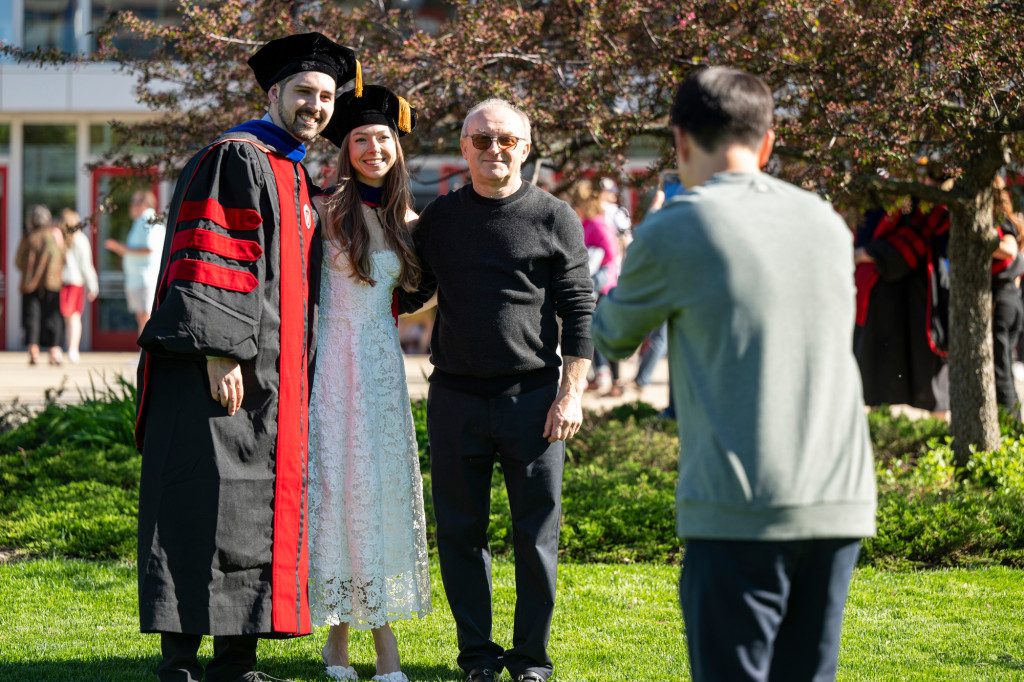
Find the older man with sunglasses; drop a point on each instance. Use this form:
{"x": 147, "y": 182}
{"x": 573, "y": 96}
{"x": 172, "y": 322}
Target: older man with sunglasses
{"x": 507, "y": 262}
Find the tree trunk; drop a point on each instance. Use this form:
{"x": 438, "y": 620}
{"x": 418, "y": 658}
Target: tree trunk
{"x": 975, "y": 418}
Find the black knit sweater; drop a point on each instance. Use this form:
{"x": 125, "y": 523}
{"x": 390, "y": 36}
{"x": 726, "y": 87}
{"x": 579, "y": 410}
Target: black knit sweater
{"x": 503, "y": 269}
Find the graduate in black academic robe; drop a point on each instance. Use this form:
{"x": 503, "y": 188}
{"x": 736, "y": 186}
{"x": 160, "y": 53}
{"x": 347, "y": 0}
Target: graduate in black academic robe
{"x": 902, "y": 308}
{"x": 222, "y": 498}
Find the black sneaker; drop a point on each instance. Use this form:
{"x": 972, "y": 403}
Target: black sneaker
{"x": 481, "y": 675}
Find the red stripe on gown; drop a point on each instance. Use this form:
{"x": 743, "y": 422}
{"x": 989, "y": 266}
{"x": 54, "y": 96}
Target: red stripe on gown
{"x": 207, "y": 240}
{"x": 228, "y": 218}
{"x": 290, "y": 611}
{"x": 212, "y": 275}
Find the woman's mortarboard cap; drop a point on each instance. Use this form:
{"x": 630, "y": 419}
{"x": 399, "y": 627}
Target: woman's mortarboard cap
{"x": 377, "y": 104}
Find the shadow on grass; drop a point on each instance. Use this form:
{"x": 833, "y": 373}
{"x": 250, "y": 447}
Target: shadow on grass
{"x": 289, "y": 669}
{"x": 141, "y": 669}
{"x": 114, "y": 669}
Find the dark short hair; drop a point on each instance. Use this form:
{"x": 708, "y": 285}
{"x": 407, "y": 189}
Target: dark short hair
{"x": 720, "y": 105}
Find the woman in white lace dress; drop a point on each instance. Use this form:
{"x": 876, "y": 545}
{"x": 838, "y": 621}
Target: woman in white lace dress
{"x": 367, "y": 541}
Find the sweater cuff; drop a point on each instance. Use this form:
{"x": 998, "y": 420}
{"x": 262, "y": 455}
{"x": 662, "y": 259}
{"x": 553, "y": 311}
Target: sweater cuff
{"x": 578, "y": 347}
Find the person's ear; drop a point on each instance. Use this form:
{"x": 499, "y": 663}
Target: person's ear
{"x": 273, "y": 93}
{"x": 765, "y": 152}
{"x": 682, "y": 142}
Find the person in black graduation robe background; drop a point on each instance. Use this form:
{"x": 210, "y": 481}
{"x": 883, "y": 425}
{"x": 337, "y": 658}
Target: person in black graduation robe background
{"x": 902, "y": 308}
{"x": 224, "y": 379}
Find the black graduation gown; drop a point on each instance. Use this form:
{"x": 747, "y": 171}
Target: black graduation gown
{"x": 222, "y": 500}
{"x": 902, "y": 302}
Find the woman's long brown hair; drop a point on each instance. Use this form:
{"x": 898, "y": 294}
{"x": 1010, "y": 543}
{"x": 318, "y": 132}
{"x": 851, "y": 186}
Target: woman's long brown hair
{"x": 346, "y": 225}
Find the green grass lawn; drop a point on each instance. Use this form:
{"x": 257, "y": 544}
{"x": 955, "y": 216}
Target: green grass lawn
{"x": 76, "y": 621}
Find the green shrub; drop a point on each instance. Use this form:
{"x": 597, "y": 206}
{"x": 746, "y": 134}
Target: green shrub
{"x": 622, "y": 513}
{"x": 69, "y": 484}
{"x": 81, "y": 518}
{"x": 967, "y": 526}
{"x": 105, "y": 416}
{"x": 902, "y": 438}
{"x": 627, "y": 433}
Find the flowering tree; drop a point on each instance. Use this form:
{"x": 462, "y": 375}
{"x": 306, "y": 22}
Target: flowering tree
{"x": 861, "y": 85}
{"x": 592, "y": 74}
{"x": 868, "y": 85}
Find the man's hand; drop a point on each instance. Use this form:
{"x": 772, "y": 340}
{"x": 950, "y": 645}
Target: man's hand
{"x": 564, "y": 417}
{"x": 566, "y": 414}
{"x": 225, "y": 382}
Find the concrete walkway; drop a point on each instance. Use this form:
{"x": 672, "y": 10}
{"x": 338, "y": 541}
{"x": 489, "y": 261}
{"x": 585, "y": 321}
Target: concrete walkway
{"x": 30, "y": 384}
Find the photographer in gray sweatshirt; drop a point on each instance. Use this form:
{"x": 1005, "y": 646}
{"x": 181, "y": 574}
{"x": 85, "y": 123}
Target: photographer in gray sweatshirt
{"x": 776, "y": 481}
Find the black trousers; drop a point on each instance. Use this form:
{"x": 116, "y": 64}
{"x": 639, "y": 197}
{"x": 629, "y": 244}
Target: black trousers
{"x": 1007, "y": 322}
{"x": 233, "y": 656}
{"x": 765, "y": 611}
{"x": 466, "y": 432}
{"x": 41, "y": 318}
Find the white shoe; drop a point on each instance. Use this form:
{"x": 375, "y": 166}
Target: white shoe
{"x": 397, "y": 676}
{"x": 340, "y": 672}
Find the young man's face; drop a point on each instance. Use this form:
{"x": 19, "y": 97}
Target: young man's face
{"x": 303, "y": 104}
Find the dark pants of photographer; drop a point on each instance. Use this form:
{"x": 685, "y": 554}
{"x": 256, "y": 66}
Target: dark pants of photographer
{"x": 765, "y": 611}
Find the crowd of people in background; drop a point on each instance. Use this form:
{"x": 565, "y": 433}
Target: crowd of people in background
{"x": 901, "y": 273}
{"x": 58, "y": 275}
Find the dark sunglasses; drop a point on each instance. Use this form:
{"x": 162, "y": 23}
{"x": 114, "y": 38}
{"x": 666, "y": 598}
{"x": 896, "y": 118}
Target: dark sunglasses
{"x": 483, "y": 142}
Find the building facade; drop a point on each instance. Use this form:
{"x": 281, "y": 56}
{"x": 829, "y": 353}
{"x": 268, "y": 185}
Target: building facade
{"x": 54, "y": 125}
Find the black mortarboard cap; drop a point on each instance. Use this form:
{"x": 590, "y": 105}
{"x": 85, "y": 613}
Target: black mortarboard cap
{"x": 377, "y": 104}
{"x": 283, "y": 57}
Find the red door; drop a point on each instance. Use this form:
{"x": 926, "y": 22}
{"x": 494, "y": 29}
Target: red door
{"x": 113, "y": 325}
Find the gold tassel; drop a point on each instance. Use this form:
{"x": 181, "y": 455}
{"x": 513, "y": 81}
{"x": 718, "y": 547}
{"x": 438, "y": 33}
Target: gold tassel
{"x": 359, "y": 79}
{"x": 404, "y": 116}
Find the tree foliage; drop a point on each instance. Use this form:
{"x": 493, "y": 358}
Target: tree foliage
{"x": 862, "y": 86}
{"x": 870, "y": 85}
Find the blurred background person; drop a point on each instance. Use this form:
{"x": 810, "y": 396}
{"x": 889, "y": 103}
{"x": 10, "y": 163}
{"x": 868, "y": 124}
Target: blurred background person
{"x": 1007, "y": 307}
{"x": 140, "y": 255}
{"x": 602, "y": 245}
{"x": 615, "y": 214}
{"x": 40, "y": 259}
{"x": 79, "y": 279}
{"x": 902, "y": 279}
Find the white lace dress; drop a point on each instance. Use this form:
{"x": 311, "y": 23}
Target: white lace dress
{"x": 367, "y": 539}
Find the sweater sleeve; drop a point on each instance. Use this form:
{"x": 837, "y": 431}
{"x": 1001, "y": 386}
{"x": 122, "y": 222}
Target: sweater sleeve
{"x": 214, "y": 267}
{"x": 641, "y": 301}
{"x": 572, "y": 288}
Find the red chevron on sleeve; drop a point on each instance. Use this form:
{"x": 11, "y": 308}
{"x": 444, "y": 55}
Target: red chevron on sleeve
{"x": 228, "y": 218}
{"x": 214, "y": 275}
{"x": 207, "y": 240}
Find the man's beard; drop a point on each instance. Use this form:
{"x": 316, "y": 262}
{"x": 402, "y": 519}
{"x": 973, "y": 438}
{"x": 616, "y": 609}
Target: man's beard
{"x": 297, "y": 127}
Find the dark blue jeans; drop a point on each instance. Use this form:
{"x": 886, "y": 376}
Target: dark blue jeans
{"x": 657, "y": 345}
{"x": 765, "y": 611}
{"x": 466, "y": 433}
